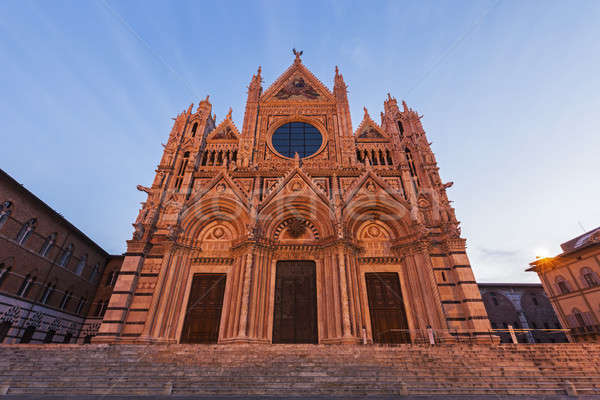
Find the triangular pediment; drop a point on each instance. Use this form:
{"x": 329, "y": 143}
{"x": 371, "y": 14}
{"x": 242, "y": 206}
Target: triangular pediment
{"x": 297, "y": 84}
{"x": 372, "y": 185}
{"x": 296, "y": 182}
{"x": 221, "y": 186}
{"x": 225, "y": 132}
{"x": 369, "y": 131}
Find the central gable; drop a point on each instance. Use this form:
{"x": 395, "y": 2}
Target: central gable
{"x": 297, "y": 84}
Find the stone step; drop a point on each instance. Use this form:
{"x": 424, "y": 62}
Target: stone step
{"x": 294, "y": 370}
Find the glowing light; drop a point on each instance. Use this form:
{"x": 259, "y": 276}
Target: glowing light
{"x": 541, "y": 252}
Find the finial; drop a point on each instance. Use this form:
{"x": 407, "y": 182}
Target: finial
{"x": 229, "y": 113}
{"x": 389, "y": 96}
{"x": 207, "y": 96}
{"x": 366, "y": 112}
{"x": 404, "y": 105}
{"x": 214, "y": 117}
{"x": 337, "y": 71}
{"x": 259, "y": 70}
{"x": 297, "y": 159}
{"x": 297, "y": 54}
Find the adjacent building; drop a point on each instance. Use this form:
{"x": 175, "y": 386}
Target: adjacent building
{"x": 526, "y": 308}
{"x": 293, "y": 228}
{"x": 49, "y": 272}
{"x": 571, "y": 280}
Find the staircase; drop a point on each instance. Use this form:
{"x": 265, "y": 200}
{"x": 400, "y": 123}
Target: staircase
{"x": 300, "y": 370}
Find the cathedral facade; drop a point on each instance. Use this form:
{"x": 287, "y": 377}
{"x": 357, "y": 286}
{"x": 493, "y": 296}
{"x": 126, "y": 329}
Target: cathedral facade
{"x": 296, "y": 229}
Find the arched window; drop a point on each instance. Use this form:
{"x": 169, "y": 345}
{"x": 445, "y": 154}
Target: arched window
{"x": 48, "y": 243}
{"x": 589, "y": 278}
{"x": 562, "y": 286}
{"x": 181, "y": 171}
{"x": 80, "y": 305}
{"x": 111, "y": 278}
{"x": 65, "y": 300}
{"x": 95, "y": 273}
{"x": 411, "y": 163}
{"x": 28, "y": 282}
{"x": 26, "y": 231}
{"x": 401, "y": 128}
{"x": 194, "y": 129}
{"x": 66, "y": 256}
{"x": 4, "y": 272}
{"x": 5, "y": 210}
{"x": 48, "y": 290}
{"x": 81, "y": 265}
{"x": 101, "y": 308}
{"x": 578, "y": 317}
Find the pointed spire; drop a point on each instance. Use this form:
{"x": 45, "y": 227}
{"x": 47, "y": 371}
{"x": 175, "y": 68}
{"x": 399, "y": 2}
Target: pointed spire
{"x": 205, "y": 105}
{"x": 405, "y": 106}
{"x": 255, "y": 87}
{"x": 229, "y": 113}
{"x": 338, "y": 81}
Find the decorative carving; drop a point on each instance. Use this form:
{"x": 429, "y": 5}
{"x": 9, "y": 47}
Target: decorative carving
{"x": 218, "y": 232}
{"x": 296, "y": 186}
{"x": 370, "y": 133}
{"x": 297, "y": 87}
{"x": 296, "y": 227}
{"x": 174, "y": 231}
{"x": 139, "y": 231}
{"x": 143, "y": 189}
{"x": 11, "y": 315}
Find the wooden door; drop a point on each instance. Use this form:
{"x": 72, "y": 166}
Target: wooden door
{"x": 295, "y": 319}
{"x": 388, "y": 317}
{"x": 204, "y": 308}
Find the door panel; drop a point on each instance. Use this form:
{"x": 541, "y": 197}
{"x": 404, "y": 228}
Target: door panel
{"x": 205, "y": 304}
{"x": 295, "y": 319}
{"x": 388, "y": 317}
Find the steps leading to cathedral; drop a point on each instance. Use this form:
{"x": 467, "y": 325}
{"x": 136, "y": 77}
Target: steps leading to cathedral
{"x": 296, "y": 370}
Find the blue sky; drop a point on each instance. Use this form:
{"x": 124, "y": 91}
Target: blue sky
{"x": 509, "y": 91}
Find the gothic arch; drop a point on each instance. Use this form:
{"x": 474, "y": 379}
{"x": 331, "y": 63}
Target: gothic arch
{"x": 294, "y": 224}
{"x": 208, "y": 210}
{"x": 366, "y": 210}
{"x": 310, "y": 209}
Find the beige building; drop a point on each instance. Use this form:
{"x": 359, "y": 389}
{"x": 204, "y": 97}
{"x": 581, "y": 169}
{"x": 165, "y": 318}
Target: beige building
{"x": 572, "y": 282}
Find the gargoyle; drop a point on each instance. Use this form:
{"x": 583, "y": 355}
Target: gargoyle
{"x": 143, "y": 189}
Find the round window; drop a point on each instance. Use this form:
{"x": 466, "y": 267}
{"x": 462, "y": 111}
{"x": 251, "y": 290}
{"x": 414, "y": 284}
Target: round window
{"x": 297, "y": 137}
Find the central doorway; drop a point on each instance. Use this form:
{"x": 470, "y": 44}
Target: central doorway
{"x": 295, "y": 318}
{"x": 205, "y": 304}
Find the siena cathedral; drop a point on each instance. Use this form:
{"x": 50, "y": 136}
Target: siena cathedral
{"x": 293, "y": 228}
